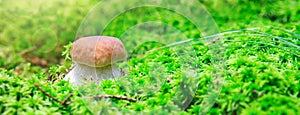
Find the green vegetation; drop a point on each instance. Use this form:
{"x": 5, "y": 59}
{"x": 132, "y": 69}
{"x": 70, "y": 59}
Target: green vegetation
{"x": 262, "y": 65}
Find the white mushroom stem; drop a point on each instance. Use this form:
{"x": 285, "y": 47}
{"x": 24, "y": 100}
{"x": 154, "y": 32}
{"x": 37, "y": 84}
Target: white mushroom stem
{"x": 83, "y": 73}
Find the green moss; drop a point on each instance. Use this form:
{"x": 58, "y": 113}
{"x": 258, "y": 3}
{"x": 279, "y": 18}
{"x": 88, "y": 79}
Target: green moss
{"x": 261, "y": 77}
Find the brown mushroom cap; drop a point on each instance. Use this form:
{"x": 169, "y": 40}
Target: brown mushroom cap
{"x": 97, "y": 51}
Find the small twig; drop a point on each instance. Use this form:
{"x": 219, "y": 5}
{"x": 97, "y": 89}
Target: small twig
{"x": 47, "y": 94}
{"x": 27, "y": 50}
{"x": 113, "y": 96}
{"x": 70, "y": 102}
{"x": 67, "y": 71}
{"x": 52, "y": 78}
{"x": 97, "y": 97}
{"x": 258, "y": 93}
{"x": 213, "y": 41}
{"x": 64, "y": 102}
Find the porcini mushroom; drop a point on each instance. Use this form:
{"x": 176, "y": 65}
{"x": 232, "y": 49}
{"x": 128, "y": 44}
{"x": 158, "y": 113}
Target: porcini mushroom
{"x": 95, "y": 59}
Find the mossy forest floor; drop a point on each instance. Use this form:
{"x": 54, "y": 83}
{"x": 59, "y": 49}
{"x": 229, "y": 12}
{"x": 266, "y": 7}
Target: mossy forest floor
{"x": 260, "y": 69}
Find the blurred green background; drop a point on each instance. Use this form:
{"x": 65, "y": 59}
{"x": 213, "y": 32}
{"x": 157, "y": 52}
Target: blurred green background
{"x": 39, "y": 29}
